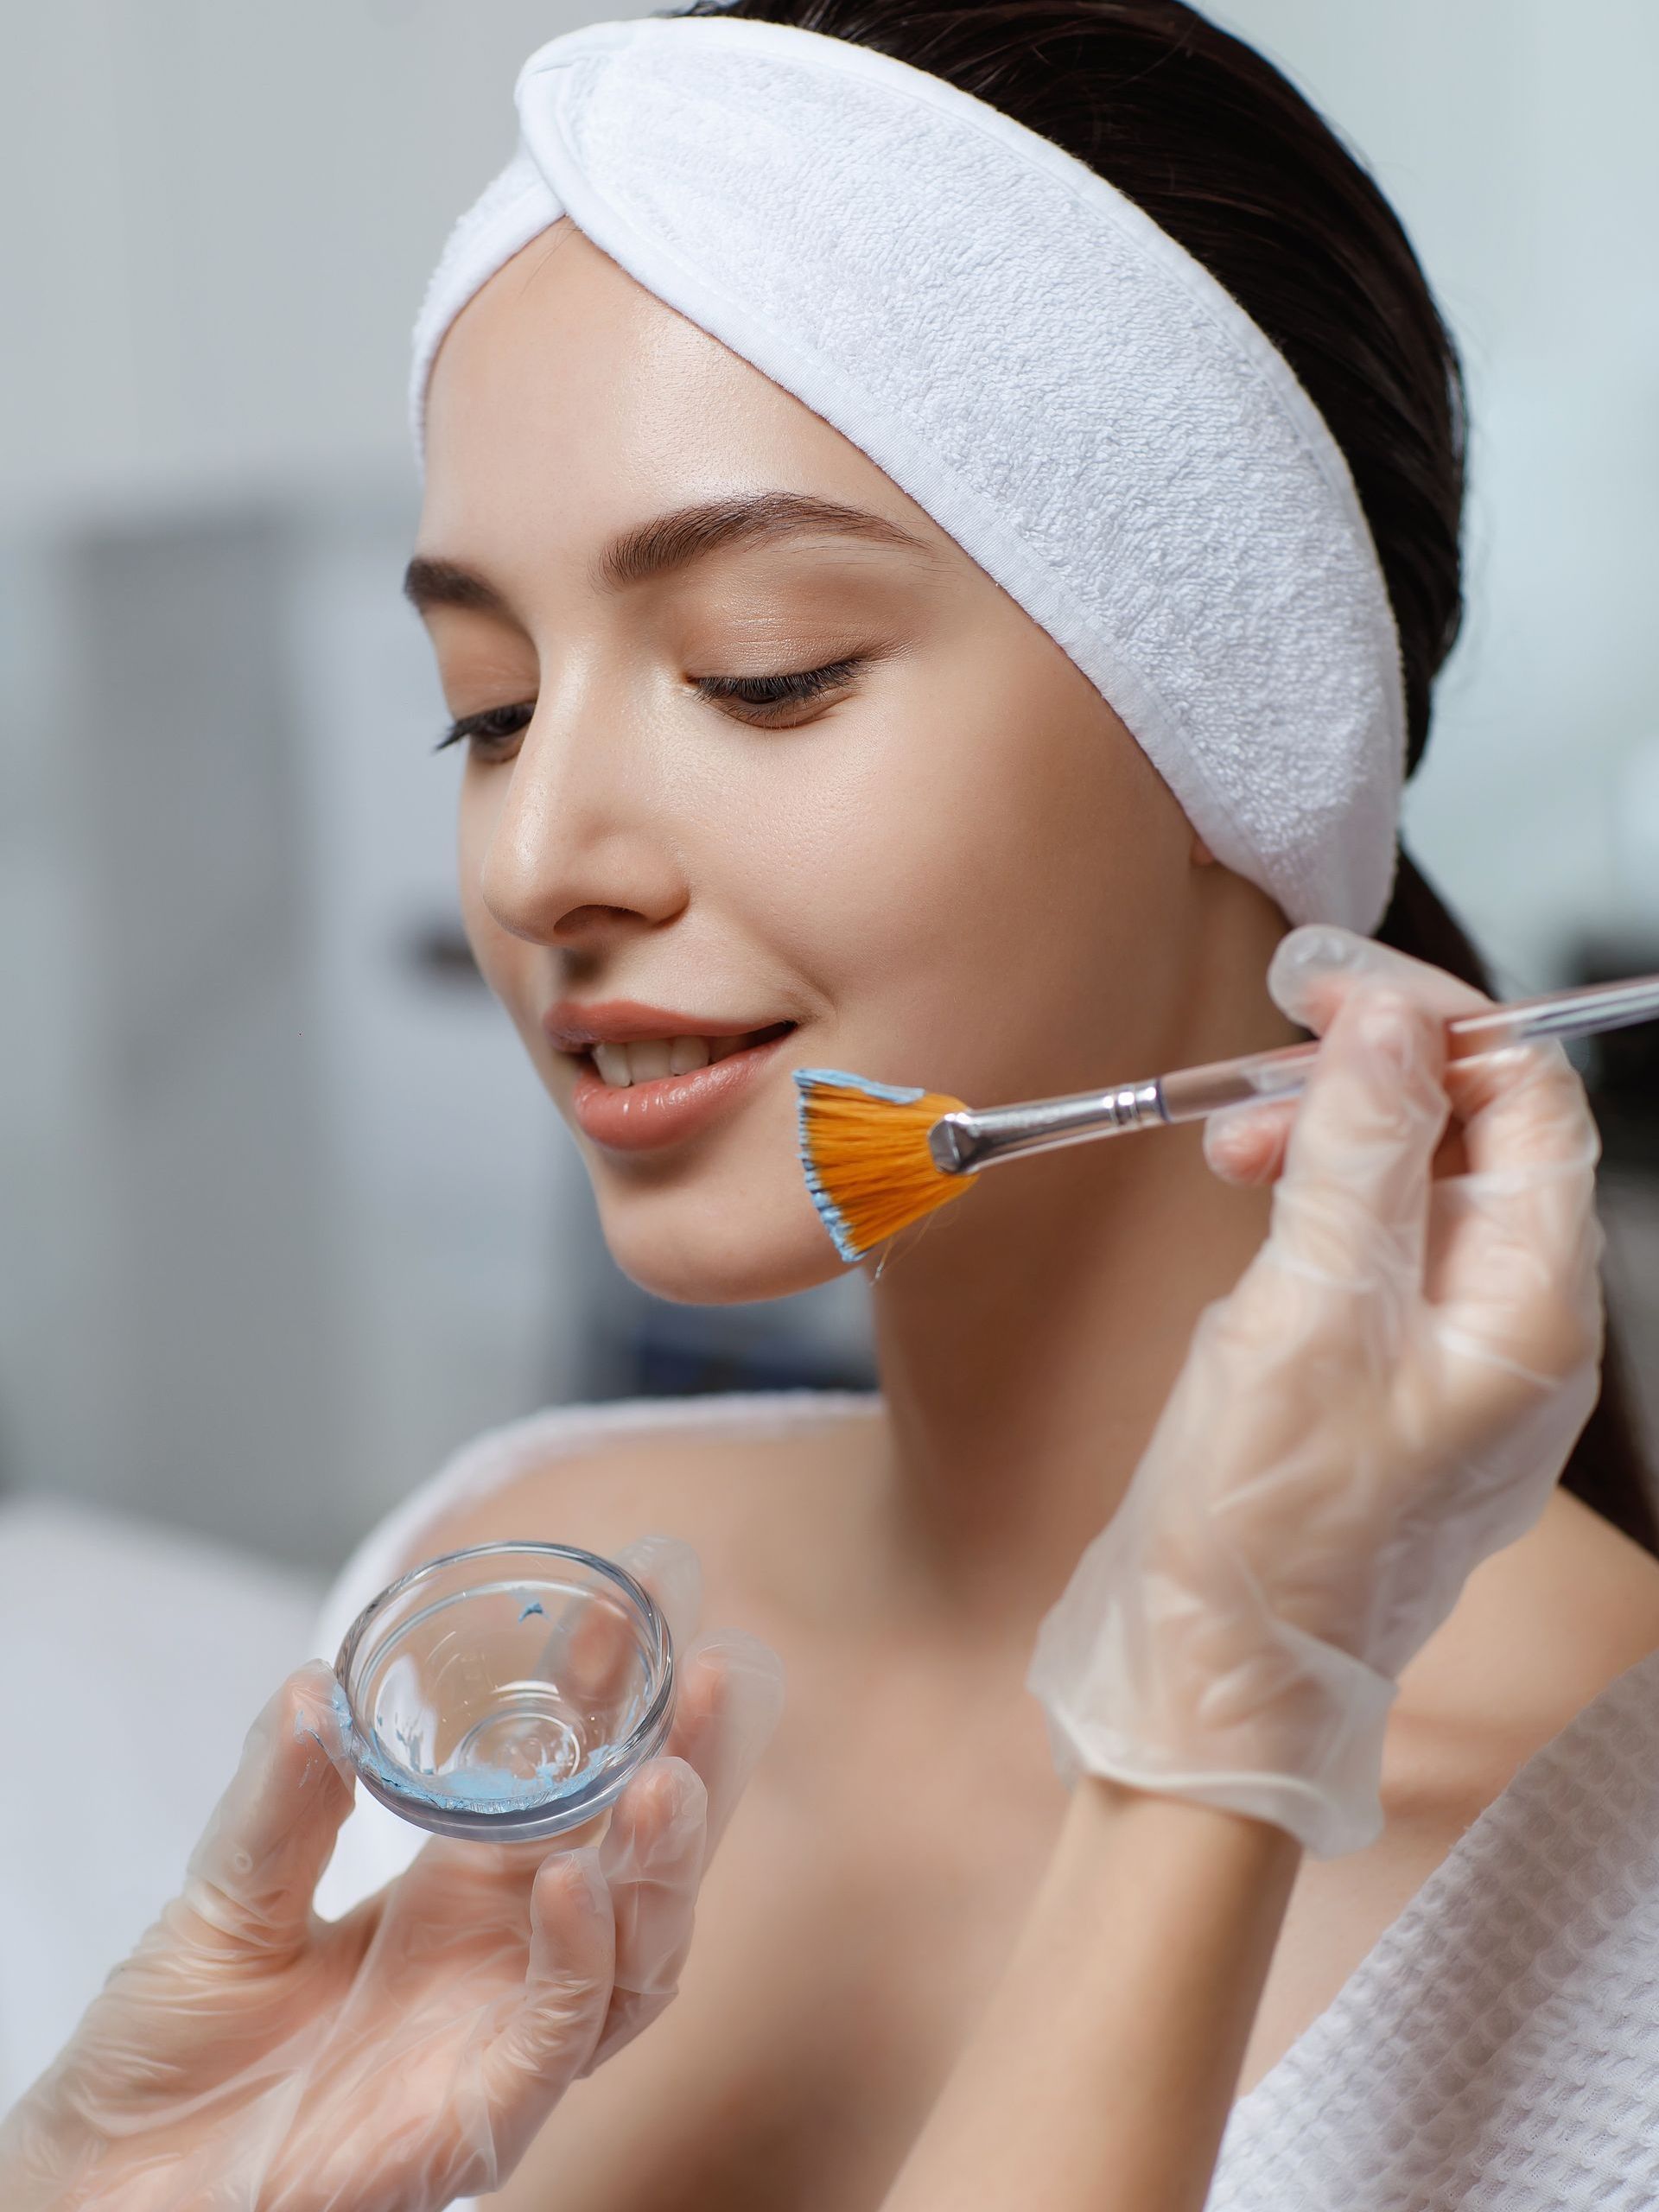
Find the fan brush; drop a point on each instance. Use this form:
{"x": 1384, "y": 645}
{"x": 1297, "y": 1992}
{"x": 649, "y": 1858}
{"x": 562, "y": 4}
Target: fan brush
{"x": 880, "y": 1155}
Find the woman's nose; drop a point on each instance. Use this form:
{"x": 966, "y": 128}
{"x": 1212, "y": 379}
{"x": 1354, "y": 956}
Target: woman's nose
{"x": 581, "y": 839}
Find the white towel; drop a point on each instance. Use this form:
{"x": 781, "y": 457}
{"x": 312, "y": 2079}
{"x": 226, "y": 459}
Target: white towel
{"x": 1038, "y": 365}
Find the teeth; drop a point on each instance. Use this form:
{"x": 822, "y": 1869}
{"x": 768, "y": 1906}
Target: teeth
{"x": 621, "y": 1065}
{"x": 612, "y": 1061}
{"x": 648, "y": 1059}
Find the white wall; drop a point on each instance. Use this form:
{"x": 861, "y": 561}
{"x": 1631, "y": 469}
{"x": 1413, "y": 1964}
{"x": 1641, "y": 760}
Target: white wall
{"x": 1515, "y": 137}
{"x": 230, "y": 209}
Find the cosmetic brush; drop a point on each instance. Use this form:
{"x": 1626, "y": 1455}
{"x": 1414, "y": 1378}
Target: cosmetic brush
{"x": 880, "y": 1155}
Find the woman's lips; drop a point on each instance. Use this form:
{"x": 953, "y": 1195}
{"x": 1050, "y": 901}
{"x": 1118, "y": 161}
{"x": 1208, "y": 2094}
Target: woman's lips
{"x": 669, "y": 1108}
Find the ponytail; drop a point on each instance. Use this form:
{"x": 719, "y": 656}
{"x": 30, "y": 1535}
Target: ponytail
{"x": 1608, "y": 1469}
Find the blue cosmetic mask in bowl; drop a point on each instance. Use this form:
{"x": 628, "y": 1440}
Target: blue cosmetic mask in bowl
{"x": 507, "y": 1692}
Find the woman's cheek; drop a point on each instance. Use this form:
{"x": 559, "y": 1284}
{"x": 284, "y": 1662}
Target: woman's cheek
{"x": 509, "y": 968}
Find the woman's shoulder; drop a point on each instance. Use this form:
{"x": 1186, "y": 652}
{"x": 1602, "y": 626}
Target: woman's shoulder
{"x": 603, "y": 1467}
{"x": 1541, "y": 1630}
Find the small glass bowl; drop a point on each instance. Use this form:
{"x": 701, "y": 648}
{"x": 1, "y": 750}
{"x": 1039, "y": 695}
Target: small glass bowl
{"x": 508, "y": 1691}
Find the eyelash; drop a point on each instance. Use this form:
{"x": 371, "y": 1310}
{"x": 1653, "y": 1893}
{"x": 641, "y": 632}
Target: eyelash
{"x": 496, "y": 725}
{"x": 793, "y": 689}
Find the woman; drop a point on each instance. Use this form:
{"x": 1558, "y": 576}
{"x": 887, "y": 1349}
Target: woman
{"x": 842, "y": 779}
{"x": 851, "y": 784}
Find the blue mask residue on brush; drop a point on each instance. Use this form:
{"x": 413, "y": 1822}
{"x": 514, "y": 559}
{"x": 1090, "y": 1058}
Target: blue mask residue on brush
{"x": 829, "y": 1212}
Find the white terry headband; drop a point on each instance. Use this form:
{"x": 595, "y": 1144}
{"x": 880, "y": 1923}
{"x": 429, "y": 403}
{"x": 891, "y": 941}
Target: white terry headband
{"x": 1055, "y": 380}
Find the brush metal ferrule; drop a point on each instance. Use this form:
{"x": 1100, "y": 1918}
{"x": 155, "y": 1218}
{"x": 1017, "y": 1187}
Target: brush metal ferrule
{"x": 973, "y": 1138}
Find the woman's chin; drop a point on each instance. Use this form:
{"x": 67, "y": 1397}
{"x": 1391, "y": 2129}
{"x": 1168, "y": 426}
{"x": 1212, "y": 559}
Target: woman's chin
{"x": 739, "y": 1259}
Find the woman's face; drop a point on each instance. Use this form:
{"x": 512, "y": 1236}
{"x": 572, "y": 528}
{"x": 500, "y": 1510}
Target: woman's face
{"x": 760, "y": 744}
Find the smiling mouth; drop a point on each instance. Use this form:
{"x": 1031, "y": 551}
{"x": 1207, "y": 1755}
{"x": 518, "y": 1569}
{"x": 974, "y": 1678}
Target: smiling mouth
{"x": 623, "y": 1067}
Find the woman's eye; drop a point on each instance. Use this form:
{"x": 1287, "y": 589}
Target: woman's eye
{"x": 490, "y": 733}
{"x": 770, "y": 695}
{"x": 495, "y": 727}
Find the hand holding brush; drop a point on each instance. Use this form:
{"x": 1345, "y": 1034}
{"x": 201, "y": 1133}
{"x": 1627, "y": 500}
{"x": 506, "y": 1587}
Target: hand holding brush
{"x": 1387, "y": 1396}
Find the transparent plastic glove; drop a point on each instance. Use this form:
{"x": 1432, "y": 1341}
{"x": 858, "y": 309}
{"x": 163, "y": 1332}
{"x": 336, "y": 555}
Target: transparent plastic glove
{"x": 1387, "y": 1396}
{"x": 248, "y": 2054}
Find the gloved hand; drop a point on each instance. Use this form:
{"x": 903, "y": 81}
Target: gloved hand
{"x": 1387, "y": 1396}
{"x": 248, "y": 2054}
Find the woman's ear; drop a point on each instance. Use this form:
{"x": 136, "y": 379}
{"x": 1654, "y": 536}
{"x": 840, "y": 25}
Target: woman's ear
{"x": 1202, "y": 855}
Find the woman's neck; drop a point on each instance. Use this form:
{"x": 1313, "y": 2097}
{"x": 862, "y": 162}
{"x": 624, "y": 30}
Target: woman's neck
{"x": 1028, "y": 1333}
{"x": 1026, "y": 1338}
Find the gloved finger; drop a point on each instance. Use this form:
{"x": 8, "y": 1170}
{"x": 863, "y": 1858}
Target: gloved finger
{"x": 1245, "y": 1144}
{"x": 249, "y": 1881}
{"x": 1313, "y": 971}
{"x": 672, "y": 1573}
{"x": 1518, "y": 1239}
{"x": 1351, "y": 1208}
{"x": 665, "y": 1826}
{"x": 1525, "y": 1108}
{"x": 731, "y": 1697}
{"x": 545, "y": 2041}
{"x": 590, "y": 1648}
{"x": 1314, "y": 968}
{"x": 652, "y": 1858}
{"x": 461, "y": 1909}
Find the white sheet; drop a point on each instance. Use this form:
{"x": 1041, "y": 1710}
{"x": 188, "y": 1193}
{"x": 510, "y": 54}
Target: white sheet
{"x": 133, "y": 1660}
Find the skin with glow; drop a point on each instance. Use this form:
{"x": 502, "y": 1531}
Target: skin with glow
{"x": 949, "y": 864}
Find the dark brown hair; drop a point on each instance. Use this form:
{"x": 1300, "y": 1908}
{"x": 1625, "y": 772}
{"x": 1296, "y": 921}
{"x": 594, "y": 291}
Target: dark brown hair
{"x": 1228, "y": 157}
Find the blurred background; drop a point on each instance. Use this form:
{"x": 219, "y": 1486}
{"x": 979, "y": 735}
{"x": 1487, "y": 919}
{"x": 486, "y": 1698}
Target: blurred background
{"x": 283, "y": 1216}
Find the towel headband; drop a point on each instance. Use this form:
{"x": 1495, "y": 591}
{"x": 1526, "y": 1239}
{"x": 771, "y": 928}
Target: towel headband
{"x": 1049, "y": 375}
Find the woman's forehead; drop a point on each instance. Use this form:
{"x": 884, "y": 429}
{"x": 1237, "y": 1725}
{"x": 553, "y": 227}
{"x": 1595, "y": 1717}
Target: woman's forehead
{"x": 564, "y": 376}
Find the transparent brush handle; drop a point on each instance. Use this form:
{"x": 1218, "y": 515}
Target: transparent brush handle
{"x": 1191, "y": 1093}
{"x": 972, "y": 1138}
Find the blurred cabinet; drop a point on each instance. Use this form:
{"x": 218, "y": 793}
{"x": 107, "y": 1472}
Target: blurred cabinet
{"x": 167, "y": 1332}
{"x": 284, "y": 1215}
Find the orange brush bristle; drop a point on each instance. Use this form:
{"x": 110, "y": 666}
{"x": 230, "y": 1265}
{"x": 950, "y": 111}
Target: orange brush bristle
{"x": 864, "y": 1147}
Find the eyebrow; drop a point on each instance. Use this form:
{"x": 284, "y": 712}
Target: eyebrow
{"x": 672, "y": 542}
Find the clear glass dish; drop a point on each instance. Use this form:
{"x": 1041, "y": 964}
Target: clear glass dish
{"x": 507, "y": 1691}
